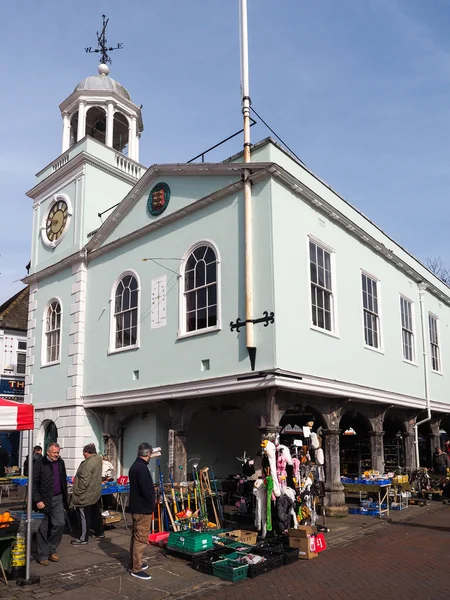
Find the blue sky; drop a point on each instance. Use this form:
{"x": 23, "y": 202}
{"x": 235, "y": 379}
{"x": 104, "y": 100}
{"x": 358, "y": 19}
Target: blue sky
{"x": 360, "y": 90}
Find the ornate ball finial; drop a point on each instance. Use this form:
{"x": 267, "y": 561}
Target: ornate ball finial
{"x": 103, "y": 69}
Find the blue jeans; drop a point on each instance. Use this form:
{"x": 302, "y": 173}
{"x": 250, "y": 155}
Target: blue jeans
{"x": 50, "y": 532}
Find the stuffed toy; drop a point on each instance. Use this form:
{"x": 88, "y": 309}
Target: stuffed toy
{"x": 260, "y": 493}
{"x": 286, "y": 509}
{"x": 270, "y": 452}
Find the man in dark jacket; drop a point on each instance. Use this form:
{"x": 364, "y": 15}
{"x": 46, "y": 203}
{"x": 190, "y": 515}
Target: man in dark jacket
{"x": 142, "y": 505}
{"x": 86, "y": 497}
{"x": 50, "y": 498}
{"x": 441, "y": 461}
{"x": 37, "y": 455}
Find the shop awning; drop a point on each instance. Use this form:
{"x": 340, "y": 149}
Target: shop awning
{"x": 15, "y": 416}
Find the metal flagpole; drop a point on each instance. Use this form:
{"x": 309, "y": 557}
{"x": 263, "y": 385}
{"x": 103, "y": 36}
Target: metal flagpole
{"x": 29, "y": 502}
{"x": 248, "y": 219}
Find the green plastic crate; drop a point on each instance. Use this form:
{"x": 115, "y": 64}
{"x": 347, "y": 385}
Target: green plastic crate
{"x": 230, "y": 570}
{"x": 190, "y": 541}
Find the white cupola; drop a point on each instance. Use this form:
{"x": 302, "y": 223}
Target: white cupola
{"x": 102, "y": 108}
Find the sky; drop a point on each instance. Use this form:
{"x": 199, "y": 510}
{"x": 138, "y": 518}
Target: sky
{"x": 359, "y": 89}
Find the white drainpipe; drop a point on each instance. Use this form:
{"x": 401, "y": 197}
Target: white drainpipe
{"x": 422, "y": 288}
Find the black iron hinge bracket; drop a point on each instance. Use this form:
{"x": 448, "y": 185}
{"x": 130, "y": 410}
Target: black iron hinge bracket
{"x": 268, "y": 318}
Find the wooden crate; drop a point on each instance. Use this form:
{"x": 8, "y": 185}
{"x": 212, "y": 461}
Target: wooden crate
{"x": 114, "y": 517}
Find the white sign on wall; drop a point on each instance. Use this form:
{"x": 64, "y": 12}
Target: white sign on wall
{"x": 158, "y": 314}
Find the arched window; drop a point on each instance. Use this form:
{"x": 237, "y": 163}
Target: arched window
{"x": 126, "y": 299}
{"x": 53, "y": 332}
{"x": 201, "y": 289}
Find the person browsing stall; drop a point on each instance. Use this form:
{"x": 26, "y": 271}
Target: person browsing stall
{"x": 50, "y": 498}
{"x": 141, "y": 507}
{"x": 86, "y": 497}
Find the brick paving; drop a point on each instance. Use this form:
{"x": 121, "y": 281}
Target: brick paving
{"x": 407, "y": 560}
{"x": 367, "y": 558}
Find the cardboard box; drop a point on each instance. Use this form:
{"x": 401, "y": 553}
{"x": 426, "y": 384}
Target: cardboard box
{"x": 303, "y": 531}
{"x": 113, "y": 517}
{"x": 304, "y": 549}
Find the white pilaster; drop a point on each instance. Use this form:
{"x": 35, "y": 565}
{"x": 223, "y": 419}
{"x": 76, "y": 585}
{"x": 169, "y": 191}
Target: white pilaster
{"x": 81, "y": 121}
{"x": 66, "y": 132}
{"x": 132, "y": 139}
{"x": 76, "y": 333}
{"x": 31, "y": 343}
{"x": 109, "y": 124}
{"x": 136, "y": 149}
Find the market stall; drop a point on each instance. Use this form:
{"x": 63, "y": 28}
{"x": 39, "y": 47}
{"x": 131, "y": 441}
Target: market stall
{"x": 20, "y": 417}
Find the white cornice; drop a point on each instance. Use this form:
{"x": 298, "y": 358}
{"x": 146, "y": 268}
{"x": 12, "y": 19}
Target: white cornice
{"x": 58, "y": 266}
{"x": 246, "y": 382}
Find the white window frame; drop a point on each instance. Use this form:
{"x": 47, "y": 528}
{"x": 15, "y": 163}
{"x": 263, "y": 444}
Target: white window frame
{"x": 412, "y": 331}
{"x": 44, "y": 361}
{"x": 112, "y": 320}
{"x": 377, "y": 281}
{"x": 334, "y": 332}
{"x": 182, "y": 329}
{"x": 437, "y": 345}
{"x": 21, "y": 352}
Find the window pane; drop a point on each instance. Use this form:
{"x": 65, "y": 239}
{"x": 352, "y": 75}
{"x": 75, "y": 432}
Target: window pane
{"x": 201, "y": 298}
{"x": 312, "y": 252}
{"x": 211, "y": 273}
{"x": 210, "y": 256}
{"x": 191, "y": 321}
{"x": 201, "y": 319}
{"x": 200, "y": 274}
{"x": 189, "y": 280}
{"x": 212, "y": 316}
{"x": 212, "y": 295}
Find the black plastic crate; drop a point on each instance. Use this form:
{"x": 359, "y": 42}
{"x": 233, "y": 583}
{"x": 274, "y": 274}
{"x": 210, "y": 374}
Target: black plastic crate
{"x": 272, "y": 562}
{"x": 204, "y": 561}
{"x": 290, "y": 555}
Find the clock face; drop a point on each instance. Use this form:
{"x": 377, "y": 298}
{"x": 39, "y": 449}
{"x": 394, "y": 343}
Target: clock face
{"x": 56, "y": 220}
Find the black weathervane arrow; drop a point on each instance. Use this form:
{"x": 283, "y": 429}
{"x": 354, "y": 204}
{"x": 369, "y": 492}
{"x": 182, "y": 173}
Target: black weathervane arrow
{"x": 103, "y": 44}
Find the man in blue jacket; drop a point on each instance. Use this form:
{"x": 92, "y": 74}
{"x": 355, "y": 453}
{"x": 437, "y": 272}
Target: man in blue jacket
{"x": 141, "y": 506}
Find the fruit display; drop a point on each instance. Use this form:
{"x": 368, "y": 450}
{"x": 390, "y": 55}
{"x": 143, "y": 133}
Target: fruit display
{"x": 5, "y": 518}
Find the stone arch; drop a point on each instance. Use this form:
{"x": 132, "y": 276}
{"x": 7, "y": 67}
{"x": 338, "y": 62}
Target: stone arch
{"x": 218, "y": 433}
{"x": 395, "y": 430}
{"x": 355, "y": 448}
{"x": 96, "y": 123}
{"x": 121, "y": 124}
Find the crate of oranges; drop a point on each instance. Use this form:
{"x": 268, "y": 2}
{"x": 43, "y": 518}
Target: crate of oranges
{"x": 8, "y": 526}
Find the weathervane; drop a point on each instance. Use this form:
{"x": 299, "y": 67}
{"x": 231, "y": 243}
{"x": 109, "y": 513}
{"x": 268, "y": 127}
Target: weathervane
{"x": 102, "y": 44}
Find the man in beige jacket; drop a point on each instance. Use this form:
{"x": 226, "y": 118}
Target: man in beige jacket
{"x": 86, "y": 498}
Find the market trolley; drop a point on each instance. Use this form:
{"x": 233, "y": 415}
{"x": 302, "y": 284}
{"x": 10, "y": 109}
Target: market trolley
{"x": 381, "y": 490}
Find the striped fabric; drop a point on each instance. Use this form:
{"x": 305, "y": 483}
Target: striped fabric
{"x": 15, "y": 416}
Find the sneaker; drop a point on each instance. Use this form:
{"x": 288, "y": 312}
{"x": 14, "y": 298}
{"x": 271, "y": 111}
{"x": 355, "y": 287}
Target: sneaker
{"x": 43, "y": 562}
{"x": 141, "y": 575}
{"x": 54, "y": 557}
{"x": 144, "y": 567}
{"x": 98, "y": 537}
{"x": 78, "y": 542}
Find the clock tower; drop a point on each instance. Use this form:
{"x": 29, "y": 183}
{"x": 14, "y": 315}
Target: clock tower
{"x": 98, "y": 166}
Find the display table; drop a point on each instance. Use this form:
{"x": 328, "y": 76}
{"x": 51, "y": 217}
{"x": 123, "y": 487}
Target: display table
{"x": 382, "y": 492}
{"x": 397, "y": 490}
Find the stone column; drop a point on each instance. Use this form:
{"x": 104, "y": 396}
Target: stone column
{"x": 109, "y": 124}
{"x": 409, "y": 450}
{"x": 269, "y": 432}
{"x": 136, "y": 149}
{"x": 334, "y": 490}
{"x": 66, "y": 132}
{"x": 180, "y": 462}
{"x": 132, "y": 139}
{"x": 81, "y": 121}
{"x": 377, "y": 450}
